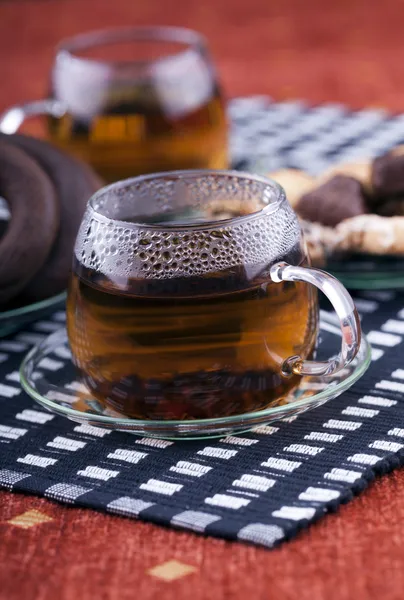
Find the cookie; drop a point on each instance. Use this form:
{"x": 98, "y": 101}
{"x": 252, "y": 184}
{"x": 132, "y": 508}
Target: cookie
{"x": 388, "y": 176}
{"x": 295, "y": 183}
{"x": 398, "y": 150}
{"x": 34, "y": 222}
{"x": 371, "y": 234}
{"x": 320, "y": 242}
{"x": 391, "y": 207}
{"x": 75, "y": 183}
{"x": 360, "y": 170}
{"x": 339, "y": 198}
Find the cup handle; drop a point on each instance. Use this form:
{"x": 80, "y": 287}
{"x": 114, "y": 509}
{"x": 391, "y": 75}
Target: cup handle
{"x": 343, "y": 306}
{"x": 12, "y": 119}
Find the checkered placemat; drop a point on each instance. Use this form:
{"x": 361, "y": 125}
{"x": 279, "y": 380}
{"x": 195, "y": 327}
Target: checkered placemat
{"x": 266, "y": 136}
{"x": 260, "y": 487}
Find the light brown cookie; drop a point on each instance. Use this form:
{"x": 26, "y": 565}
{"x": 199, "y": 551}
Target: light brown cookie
{"x": 360, "y": 170}
{"x": 295, "y": 183}
{"x": 371, "y": 234}
{"x": 320, "y": 241}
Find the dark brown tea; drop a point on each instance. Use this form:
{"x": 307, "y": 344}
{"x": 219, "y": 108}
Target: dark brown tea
{"x": 193, "y": 348}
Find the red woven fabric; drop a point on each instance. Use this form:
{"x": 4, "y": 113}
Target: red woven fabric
{"x": 356, "y": 554}
{"x": 346, "y": 51}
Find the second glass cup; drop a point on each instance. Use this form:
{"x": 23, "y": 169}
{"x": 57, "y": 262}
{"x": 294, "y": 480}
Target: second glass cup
{"x": 131, "y": 101}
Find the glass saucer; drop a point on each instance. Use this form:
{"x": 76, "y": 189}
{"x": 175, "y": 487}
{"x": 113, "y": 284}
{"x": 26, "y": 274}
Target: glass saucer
{"x": 61, "y": 391}
{"x": 15, "y": 318}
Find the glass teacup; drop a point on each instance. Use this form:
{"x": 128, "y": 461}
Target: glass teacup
{"x": 191, "y": 297}
{"x": 133, "y": 100}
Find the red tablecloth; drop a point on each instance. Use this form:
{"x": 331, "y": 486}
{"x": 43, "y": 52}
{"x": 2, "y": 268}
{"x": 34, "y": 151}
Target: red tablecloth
{"x": 345, "y": 51}
{"x": 49, "y": 552}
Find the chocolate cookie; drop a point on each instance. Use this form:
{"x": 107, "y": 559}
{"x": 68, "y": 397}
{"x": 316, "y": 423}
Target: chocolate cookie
{"x": 75, "y": 183}
{"x": 340, "y": 198}
{"x": 34, "y": 221}
{"x": 360, "y": 170}
{"x": 391, "y": 207}
{"x": 388, "y": 176}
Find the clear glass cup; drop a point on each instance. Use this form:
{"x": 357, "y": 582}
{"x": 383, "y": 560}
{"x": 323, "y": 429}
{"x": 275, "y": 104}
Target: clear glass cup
{"x": 192, "y": 297}
{"x": 133, "y": 100}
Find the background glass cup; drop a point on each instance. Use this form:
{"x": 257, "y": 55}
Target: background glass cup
{"x": 134, "y": 100}
{"x": 190, "y": 297}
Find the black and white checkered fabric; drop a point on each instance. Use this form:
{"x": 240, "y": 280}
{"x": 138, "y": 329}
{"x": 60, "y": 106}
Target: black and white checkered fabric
{"x": 260, "y": 487}
{"x": 267, "y": 136}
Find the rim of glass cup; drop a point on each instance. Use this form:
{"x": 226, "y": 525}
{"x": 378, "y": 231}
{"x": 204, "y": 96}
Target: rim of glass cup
{"x": 188, "y": 38}
{"x": 278, "y": 198}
